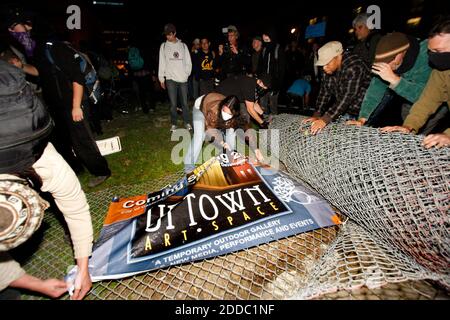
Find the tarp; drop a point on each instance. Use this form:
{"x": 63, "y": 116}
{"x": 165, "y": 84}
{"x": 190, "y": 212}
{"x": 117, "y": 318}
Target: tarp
{"x": 223, "y": 206}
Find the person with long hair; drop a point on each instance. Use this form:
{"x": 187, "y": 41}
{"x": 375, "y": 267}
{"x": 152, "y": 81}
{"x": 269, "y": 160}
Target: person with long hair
{"x": 213, "y": 115}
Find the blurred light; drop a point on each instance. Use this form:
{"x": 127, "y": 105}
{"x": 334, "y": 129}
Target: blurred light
{"x": 107, "y": 3}
{"x": 293, "y": 30}
{"x": 358, "y": 10}
{"x": 414, "y": 21}
{"x": 351, "y": 30}
{"x": 313, "y": 21}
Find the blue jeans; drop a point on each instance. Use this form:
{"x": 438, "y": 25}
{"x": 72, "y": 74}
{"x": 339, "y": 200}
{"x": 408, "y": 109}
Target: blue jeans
{"x": 175, "y": 90}
{"x": 192, "y": 156}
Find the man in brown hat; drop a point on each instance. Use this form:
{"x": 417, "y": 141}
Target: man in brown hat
{"x": 346, "y": 79}
{"x": 402, "y": 70}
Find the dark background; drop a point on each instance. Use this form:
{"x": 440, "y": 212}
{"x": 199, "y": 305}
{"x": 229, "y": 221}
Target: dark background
{"x": 109, "y": 28}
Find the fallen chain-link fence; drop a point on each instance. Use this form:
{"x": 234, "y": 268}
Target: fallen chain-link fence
{"x": 395, "y": 193}
{"x": 358, "y": 260}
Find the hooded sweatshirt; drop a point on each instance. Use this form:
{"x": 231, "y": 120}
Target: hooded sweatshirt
{"x": 174, "y": 61}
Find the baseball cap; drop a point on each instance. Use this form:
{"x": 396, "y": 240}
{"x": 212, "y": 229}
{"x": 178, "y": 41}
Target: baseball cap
{"x": 259, "y": 38}
{"x": 232, "y": 28}
{"x": 390, "y": 45}
{"x": 21, "y": 213}
{"x": 169, "y": 28}
{"x": 328, "y": 51}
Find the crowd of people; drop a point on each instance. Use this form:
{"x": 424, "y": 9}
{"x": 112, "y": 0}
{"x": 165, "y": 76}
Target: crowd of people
{"x": 392, "y": 81}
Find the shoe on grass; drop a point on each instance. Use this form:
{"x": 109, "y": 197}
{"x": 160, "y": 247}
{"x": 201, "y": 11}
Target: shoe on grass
{"x": 189, "y": 127}
{"x": 95, "y": 181}
{"x": 173, "y": 128}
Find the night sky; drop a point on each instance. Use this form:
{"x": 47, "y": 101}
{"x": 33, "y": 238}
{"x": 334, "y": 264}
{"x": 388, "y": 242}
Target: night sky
{"x": 193, "y": 18}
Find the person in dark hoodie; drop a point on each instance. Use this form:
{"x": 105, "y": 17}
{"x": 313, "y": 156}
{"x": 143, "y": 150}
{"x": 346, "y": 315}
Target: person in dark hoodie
{"x": 63, "y": 88}
{"x": 273, "y": 64}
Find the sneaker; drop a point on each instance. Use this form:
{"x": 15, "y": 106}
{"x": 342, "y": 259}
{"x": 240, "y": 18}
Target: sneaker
{"x": 173, "y": 128}
{"x": 95, "y": 181}
{"x": 189, "y": 127}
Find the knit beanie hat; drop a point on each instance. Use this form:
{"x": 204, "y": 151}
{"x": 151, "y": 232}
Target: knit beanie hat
{"x": 390, "y": 45}
{"x": 21, "y": 213}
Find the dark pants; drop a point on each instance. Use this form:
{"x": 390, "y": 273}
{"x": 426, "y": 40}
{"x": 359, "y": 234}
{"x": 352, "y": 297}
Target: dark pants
{"x": 206, "y": 86}
{"x": 393, "y": 110}
{"x": 144, "y": 88}
{"x": 77, "y": 136}
{"x": 175, "y": 90}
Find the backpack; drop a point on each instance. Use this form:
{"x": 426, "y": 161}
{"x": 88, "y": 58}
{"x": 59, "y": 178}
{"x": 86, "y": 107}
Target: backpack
{"x": 105, "y": 69}
{"x": 135, "y": 60}
{"x": 25, "y": 122}
{"x": 92, "y": 82}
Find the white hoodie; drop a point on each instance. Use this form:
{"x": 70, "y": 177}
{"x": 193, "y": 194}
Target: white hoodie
{"x": 174, "y": 61}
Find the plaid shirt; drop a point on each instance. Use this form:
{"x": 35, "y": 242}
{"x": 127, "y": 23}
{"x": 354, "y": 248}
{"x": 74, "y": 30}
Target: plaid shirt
{"x": 348, "y": 86}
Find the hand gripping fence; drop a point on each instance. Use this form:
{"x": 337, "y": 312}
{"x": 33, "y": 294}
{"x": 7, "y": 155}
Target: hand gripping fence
{"x": 395, "y": 193}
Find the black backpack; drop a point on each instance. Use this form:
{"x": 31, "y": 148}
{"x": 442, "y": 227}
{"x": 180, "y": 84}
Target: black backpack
{"x": 24, "y": 121}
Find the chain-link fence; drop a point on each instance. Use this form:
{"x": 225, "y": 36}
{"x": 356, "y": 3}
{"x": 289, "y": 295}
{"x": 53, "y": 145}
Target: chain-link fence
{"x": 395, "y": 193}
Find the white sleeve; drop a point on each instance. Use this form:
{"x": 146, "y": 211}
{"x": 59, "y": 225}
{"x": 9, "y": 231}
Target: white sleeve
{"x": 162, "y": 64}
{"x": 187, "y": 55}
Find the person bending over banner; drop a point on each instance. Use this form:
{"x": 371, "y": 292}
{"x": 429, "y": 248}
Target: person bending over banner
{"x": 213, "y": 113}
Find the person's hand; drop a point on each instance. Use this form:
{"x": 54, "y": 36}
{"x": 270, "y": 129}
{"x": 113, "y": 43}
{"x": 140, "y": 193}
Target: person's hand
{"x": 53, "y": 288}
{"x": 220, "y": 49}
{"x": 438, "y": 140}
{"x": 226, "y": 146}
{"x": 358, "y": 123}
{"x": 384, "y": 71}
{"x": 234, "y": 49}
{"x": 163, "y": 85}
{"x": 259, "y": 156}
{"x": 317, "y": 126}
{"x": 77, "y": 114}
{"x": 396, "y": 129}
{"x": 308, "y": 120}
{"x": 82, "y": 284}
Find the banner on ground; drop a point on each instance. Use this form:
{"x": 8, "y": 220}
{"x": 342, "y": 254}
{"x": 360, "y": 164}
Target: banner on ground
{"x": 222, "y": 207}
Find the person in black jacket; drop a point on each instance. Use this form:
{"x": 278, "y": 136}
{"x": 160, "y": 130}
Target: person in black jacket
{"x": 234, "y": 59}
{"x": 367, "y": 39}
{"x": 274, "y": 65}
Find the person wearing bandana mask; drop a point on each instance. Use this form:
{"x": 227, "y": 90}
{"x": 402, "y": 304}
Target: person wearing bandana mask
{"x": 216, "y": 115}
{"x": 436, "y": 92}
{"x": 21, "y": 32}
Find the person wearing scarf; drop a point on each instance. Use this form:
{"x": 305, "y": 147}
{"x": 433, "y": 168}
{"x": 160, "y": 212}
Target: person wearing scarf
{"x": 401, "y": 68}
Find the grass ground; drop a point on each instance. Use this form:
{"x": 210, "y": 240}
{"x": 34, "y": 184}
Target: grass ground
{"x": 146, "y": 148}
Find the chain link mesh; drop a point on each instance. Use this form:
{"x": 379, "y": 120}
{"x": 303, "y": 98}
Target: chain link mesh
{"x": 395, "y": 191}
{"x": 373, "y": 256}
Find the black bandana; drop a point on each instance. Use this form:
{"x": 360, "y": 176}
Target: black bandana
{"x": 411, "y": 56}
